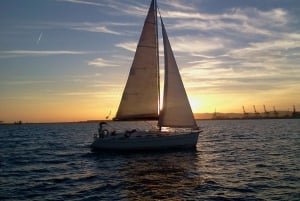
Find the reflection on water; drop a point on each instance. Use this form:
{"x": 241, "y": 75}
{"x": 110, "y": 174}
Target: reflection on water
{"x": 150, "y": 176}
{"x": 235, "y": 160}
{"x": 160, "y": 177}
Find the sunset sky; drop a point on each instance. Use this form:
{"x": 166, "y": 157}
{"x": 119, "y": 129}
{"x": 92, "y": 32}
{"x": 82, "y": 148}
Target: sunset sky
{"x": 68, "y": 60}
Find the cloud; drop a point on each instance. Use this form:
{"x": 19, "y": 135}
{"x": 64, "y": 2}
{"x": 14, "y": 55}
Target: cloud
{"x": 27, "y": 82}
{"x": 196, "y": 44}
{"x": 82, "y": 26}
{"x": 240, "y": 20}
{"x": 24, "y": 53}
{"x": 133, "y": 8}
{"x": 278, "y": 15}
{"x": 178, "y": 5}
{"x": 93, "y": 27}
{"x": 258, "y": 66}
{"x": 274, "y": 45}
{"x": 242, "y": 48}
{"x": 107, "y": 27}
{"x": 273, "y": 54}
{"x": 99, "y": 62}
{"x": 82, "y": 2}
{"x": 131, "y": 46}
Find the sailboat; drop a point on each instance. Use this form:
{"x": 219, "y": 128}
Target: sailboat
{"x": 176, "y": 126}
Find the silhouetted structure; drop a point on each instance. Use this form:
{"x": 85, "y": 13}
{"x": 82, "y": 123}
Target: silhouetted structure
{"x": 246, "y": 114}
{"x": 255, "y": 112}
{"x": 295, "y": 114}
{"x": 215, "y": 114}
{"x": 18, "y": 122}
{"x": 275, "y": 112}
{"x": 266, "y": 112}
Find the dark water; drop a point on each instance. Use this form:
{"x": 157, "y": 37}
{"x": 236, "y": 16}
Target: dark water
{"x": 235, "y": 160}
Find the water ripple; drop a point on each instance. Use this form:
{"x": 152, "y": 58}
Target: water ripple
{"x": 235, "y": 160}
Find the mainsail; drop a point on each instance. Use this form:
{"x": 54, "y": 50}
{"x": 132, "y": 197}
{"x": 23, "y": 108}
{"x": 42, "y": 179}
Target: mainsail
{"x": 176, "y": 111}
{"x": 140, "y": 99}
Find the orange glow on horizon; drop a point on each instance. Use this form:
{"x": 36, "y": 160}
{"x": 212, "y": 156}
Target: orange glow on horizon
{"x": 73, "y": 109}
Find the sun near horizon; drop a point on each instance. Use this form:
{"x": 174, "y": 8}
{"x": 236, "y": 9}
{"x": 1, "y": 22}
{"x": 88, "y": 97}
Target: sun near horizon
{"x": 81, "y": 108}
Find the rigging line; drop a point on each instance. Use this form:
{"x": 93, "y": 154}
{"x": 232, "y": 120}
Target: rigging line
{"x": 161, "y": 20}
{"x": 159, "y": 12}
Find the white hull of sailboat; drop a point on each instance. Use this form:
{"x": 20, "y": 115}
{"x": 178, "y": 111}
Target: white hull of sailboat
{"x": 151, "y": 141}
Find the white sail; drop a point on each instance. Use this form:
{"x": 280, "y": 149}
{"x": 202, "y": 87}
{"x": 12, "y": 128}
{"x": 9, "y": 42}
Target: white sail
{"x": 141, "y": 94}
{"x": 176, "y": 111}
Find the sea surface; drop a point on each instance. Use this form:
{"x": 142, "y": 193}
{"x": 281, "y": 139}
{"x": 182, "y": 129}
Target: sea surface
{"x": 234, "y": 160}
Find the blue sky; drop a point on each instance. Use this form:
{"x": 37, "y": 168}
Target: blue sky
{"x": 65, "y": 60}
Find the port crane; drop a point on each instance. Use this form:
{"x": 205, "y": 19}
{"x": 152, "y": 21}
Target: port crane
{"x": 266, "y": 112}
{"x": 255, "y": 112}
{"x": 246, "y": 114}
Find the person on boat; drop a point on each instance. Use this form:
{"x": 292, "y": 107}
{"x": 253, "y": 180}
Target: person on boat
{"x": 113, "y": 133}
{"x": 100, "y": 131}
{"x": 128, "y": 133}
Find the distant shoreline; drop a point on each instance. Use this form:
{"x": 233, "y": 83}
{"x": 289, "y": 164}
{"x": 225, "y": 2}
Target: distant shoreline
{"x": 211, "y": 118}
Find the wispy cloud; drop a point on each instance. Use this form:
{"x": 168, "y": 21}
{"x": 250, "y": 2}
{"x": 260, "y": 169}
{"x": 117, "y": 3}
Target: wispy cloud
{"x": 93, "y": 27}
{"x": 278, "y": 15}
{"x": 82, "y": 2}
{"x": 106, "y": 27}
{"x": 179, "y": 4}
{"x": 99, "y": 62}
{"x": 191, "y": 44}
{"x": 27, "y": 82}
{"x": 239, "y": 20}
{"x": 133, "y": 8}
{"x": 131, "y": 46}
{"x": 23, "y": 53}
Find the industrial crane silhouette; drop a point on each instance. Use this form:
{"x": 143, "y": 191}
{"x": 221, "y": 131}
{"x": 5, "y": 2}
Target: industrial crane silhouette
{"x": 266, "y": 112}
{"x": 246, "y": 114}
{"x": 295, "y": 114}
{"x": 255, "y": 112}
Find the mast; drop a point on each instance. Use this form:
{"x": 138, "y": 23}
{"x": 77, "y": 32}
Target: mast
{"x": 157, "y": 55}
